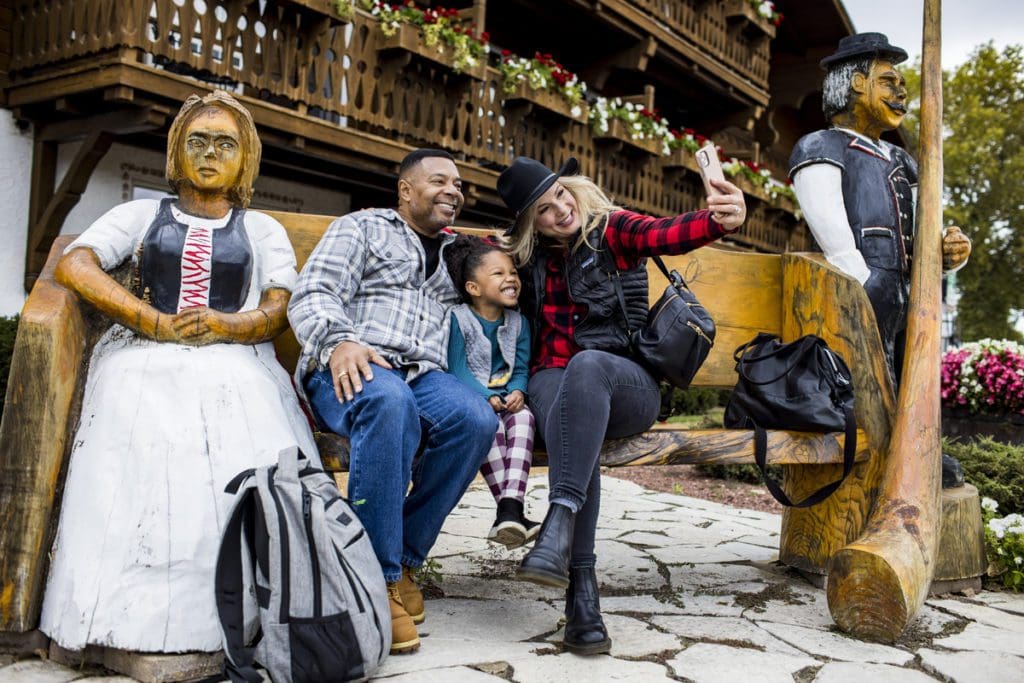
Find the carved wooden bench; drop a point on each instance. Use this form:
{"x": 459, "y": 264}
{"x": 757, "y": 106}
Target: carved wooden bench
{"x": 790, "y": 295}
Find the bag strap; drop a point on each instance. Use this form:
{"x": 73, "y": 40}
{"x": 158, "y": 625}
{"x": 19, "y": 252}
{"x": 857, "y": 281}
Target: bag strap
{"x": 621, "y": 296}
{"x": 742, "y": 360}
{"x": 760, "y": 458}
{"x": 239, "y": 662}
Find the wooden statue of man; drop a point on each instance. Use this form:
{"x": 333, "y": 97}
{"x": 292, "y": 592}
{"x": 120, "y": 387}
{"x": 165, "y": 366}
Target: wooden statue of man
{"x": 857, "y": 191}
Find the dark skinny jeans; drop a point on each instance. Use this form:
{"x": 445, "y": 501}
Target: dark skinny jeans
{"x": 598, "y": 395}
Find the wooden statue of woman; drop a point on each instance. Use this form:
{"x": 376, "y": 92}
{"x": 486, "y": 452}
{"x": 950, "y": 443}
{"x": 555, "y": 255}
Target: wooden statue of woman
{"x": 183, "y": 392}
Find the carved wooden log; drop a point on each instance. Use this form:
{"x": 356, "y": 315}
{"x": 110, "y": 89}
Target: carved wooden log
{"x": 669, "y": 445}
{"x": 961, "y": 553}
{"x": 819, "y": 299}
{"x": 877, "y": 584}
{"x": 45, "y": 366}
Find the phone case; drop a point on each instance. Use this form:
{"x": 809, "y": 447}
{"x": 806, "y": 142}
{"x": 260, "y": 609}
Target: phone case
{"x": 709, "y": 167}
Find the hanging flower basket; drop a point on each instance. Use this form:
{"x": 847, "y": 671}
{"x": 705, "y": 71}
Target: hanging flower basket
{"x": 549, "y": 101}
{"x": 406, "y": 38}
{"x": 619, "y": 132}
{"x": 744, "y": 13}
{"x": 680, "y": 158}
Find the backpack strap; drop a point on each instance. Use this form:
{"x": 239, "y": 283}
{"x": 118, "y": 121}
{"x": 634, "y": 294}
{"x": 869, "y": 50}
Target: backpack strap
{"x": 761, "y": 453}
{"x": 239, "y": 662}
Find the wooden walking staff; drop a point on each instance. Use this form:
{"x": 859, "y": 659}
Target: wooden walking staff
{"x": 877, "y": 583}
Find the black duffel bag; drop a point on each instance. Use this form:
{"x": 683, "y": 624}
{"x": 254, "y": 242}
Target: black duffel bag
{"x": 679, "y": 333}
{"x": 802, "y": 386}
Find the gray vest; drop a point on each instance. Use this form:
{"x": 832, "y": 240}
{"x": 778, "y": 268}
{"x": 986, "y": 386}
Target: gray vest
{"x": 478, "y": 346}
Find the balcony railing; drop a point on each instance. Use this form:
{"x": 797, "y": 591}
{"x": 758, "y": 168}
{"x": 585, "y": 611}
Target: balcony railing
{"x": 335, "y": 70}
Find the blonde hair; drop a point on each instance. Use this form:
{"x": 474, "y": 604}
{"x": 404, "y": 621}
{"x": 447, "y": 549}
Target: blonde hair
{"x": 239, "y": 194}
{"x": 591, "y": 202}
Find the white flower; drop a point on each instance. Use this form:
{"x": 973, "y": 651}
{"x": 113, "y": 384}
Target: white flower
{"x": 576, "y": 110}
{"x": 766, "y": 9}
{"x": 989, "y": 504}
{"x": 1018, "y": 560}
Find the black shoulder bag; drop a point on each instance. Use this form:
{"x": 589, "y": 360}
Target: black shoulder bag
{"x": 679, "y": 333}
{"x": 802, "y": 386}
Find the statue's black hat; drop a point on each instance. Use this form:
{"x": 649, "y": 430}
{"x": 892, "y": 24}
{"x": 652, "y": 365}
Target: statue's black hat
{"x": 863, "y": 45}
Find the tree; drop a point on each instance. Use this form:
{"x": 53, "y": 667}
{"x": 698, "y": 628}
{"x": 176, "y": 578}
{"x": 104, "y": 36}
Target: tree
{"x": 983, "y": 165}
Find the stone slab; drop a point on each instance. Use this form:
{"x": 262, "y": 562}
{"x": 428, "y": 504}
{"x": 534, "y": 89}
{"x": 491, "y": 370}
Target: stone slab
{"x": 453, "y": 674}
{"x": 570, "y": 667}
{"x": 982, "y": 638}
{"x": 38, "y": 671}
{"x": 731, "y": 630}
{"x": 980, "y": 613}
{"x": 711, "y": 663}
{"x": 631, "y": 638}
{"x": 974, "y": 667}
{"x": 851, "y": 672}
{"x": 827, "y": 644}
{"x": 437, "y": 652}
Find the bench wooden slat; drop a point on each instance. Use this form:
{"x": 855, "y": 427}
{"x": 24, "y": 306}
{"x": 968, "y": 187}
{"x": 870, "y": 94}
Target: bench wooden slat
{"x": 672, "y": 445}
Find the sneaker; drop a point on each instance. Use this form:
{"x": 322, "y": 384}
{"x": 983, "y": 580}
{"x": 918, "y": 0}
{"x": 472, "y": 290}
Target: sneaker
{"x": 404, "y": 638}
{"x": 412, "y": 598}
{"x": 508, "y": 528}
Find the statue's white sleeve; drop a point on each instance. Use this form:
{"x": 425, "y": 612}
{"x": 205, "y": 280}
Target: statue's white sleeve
{"x": 819, "y": 189}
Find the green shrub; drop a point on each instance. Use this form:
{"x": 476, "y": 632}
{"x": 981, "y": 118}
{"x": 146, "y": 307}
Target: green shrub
{"x": 695, "y": 400}
{"x": 997, "y": 469}
{"x": 8, "y": 330}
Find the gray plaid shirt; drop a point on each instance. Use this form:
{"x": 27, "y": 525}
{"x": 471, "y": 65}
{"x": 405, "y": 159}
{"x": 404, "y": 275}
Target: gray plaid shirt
{"x": 365, "y": 283}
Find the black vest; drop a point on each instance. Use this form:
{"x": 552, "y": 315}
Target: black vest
{"x": 160, "y": 262}
{"x": 590, "y": 273}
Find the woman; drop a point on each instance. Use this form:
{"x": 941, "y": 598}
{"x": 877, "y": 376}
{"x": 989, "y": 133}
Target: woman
{"x": 571, "y": 241}
{"x": 183, "y": 392}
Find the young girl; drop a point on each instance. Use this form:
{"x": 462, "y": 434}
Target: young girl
{"x": 489, "y": 349}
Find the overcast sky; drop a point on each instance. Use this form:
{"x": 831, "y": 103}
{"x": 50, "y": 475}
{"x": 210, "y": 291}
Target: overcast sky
{"x": 965, "y": 24}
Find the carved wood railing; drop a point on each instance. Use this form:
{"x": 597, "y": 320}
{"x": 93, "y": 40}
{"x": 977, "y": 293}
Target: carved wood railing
{"x": 705, "y": 23}
{"x": 287, "y": 54}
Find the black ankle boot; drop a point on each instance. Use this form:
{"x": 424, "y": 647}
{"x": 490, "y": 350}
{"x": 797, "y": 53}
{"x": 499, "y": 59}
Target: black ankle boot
{"x": 585, "y": 633}
{"x": 548, "y": 562}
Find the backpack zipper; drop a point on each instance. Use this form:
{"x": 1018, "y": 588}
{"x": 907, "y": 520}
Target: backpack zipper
{"x": 314, "y": 559}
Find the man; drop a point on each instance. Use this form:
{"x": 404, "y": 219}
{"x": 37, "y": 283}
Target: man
{"x": 858, "y": 192}
{"x": 370, "y": 311}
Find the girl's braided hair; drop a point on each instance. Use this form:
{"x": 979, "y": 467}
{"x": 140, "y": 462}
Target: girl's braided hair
{"x": 463, "y": 256}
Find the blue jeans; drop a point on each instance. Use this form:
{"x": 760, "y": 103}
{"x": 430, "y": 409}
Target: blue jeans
{"x": 385, "y": 424}
{"x": 598, "y": 395}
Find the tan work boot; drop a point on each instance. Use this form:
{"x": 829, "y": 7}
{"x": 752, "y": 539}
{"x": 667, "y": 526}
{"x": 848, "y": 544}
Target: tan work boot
{"x": 403, "y": 632}
{"x": 412, "y": 598}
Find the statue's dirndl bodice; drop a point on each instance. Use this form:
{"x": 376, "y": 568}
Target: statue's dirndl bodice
{"x": 183, "y": 266}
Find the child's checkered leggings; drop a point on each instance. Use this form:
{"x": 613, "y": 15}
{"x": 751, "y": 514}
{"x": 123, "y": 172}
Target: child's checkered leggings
{"x": 508, "y": 462}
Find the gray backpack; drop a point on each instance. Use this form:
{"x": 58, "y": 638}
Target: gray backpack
{"x": 319, "y": 590}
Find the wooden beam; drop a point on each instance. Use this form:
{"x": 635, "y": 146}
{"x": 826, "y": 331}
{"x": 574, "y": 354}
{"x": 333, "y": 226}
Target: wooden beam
{"x": 122, "y": 122}
{"x": 672, "y": 445}
{"x": 633, "y": 58}
{"x": 47, "y": 226}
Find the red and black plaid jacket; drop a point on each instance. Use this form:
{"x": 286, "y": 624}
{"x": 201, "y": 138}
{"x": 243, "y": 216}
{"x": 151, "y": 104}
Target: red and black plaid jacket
{"x": 630, "y": 237}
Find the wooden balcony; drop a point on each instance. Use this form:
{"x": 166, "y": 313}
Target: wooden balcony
{"x": 321, "y": 88}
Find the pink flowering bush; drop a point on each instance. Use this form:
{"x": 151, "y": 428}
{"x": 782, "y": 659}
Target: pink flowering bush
{"x": 984, "y": 377}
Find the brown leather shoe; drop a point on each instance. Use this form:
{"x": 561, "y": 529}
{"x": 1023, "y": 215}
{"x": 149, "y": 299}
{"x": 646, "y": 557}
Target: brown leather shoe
{"x": 404, "y": 638}
{"x": 412, "y": 598}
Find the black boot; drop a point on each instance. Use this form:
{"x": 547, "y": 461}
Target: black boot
{"x": 585, "y": 633}
{"x": 508, "y": 526}
{"x": 548, "y": 562}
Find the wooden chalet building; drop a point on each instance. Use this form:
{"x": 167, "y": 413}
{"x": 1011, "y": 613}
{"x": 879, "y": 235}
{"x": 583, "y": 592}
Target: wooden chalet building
{"x": 338, "y": 103}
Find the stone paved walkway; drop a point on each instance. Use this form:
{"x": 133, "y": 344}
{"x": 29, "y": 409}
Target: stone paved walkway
{"x": 691, "y": 591}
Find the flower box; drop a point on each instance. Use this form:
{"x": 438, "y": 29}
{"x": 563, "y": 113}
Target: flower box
{"x": 680, "y": 158}
{"x": 549, "y": 101}
{"x": 407, "y": 39}
{"x": 740, "y": 13}
{"x": 618, "y": 132}
{"x": 965, "y": 425}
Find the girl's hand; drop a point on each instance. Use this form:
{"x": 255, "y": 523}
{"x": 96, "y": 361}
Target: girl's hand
{"x": 496, "y": 403}
{"x": 728, "y": 206}
{"x": 515, "y": 401}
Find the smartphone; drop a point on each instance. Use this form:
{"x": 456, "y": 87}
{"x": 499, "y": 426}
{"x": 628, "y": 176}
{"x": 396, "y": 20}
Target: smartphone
{"x": 710, "y": 167}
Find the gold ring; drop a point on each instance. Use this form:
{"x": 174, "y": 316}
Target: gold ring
{"x": 343, "y": 373}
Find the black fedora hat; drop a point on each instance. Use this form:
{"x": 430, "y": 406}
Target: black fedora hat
{"x": 522, "y": 183}
{"x": 864, "y": 44}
